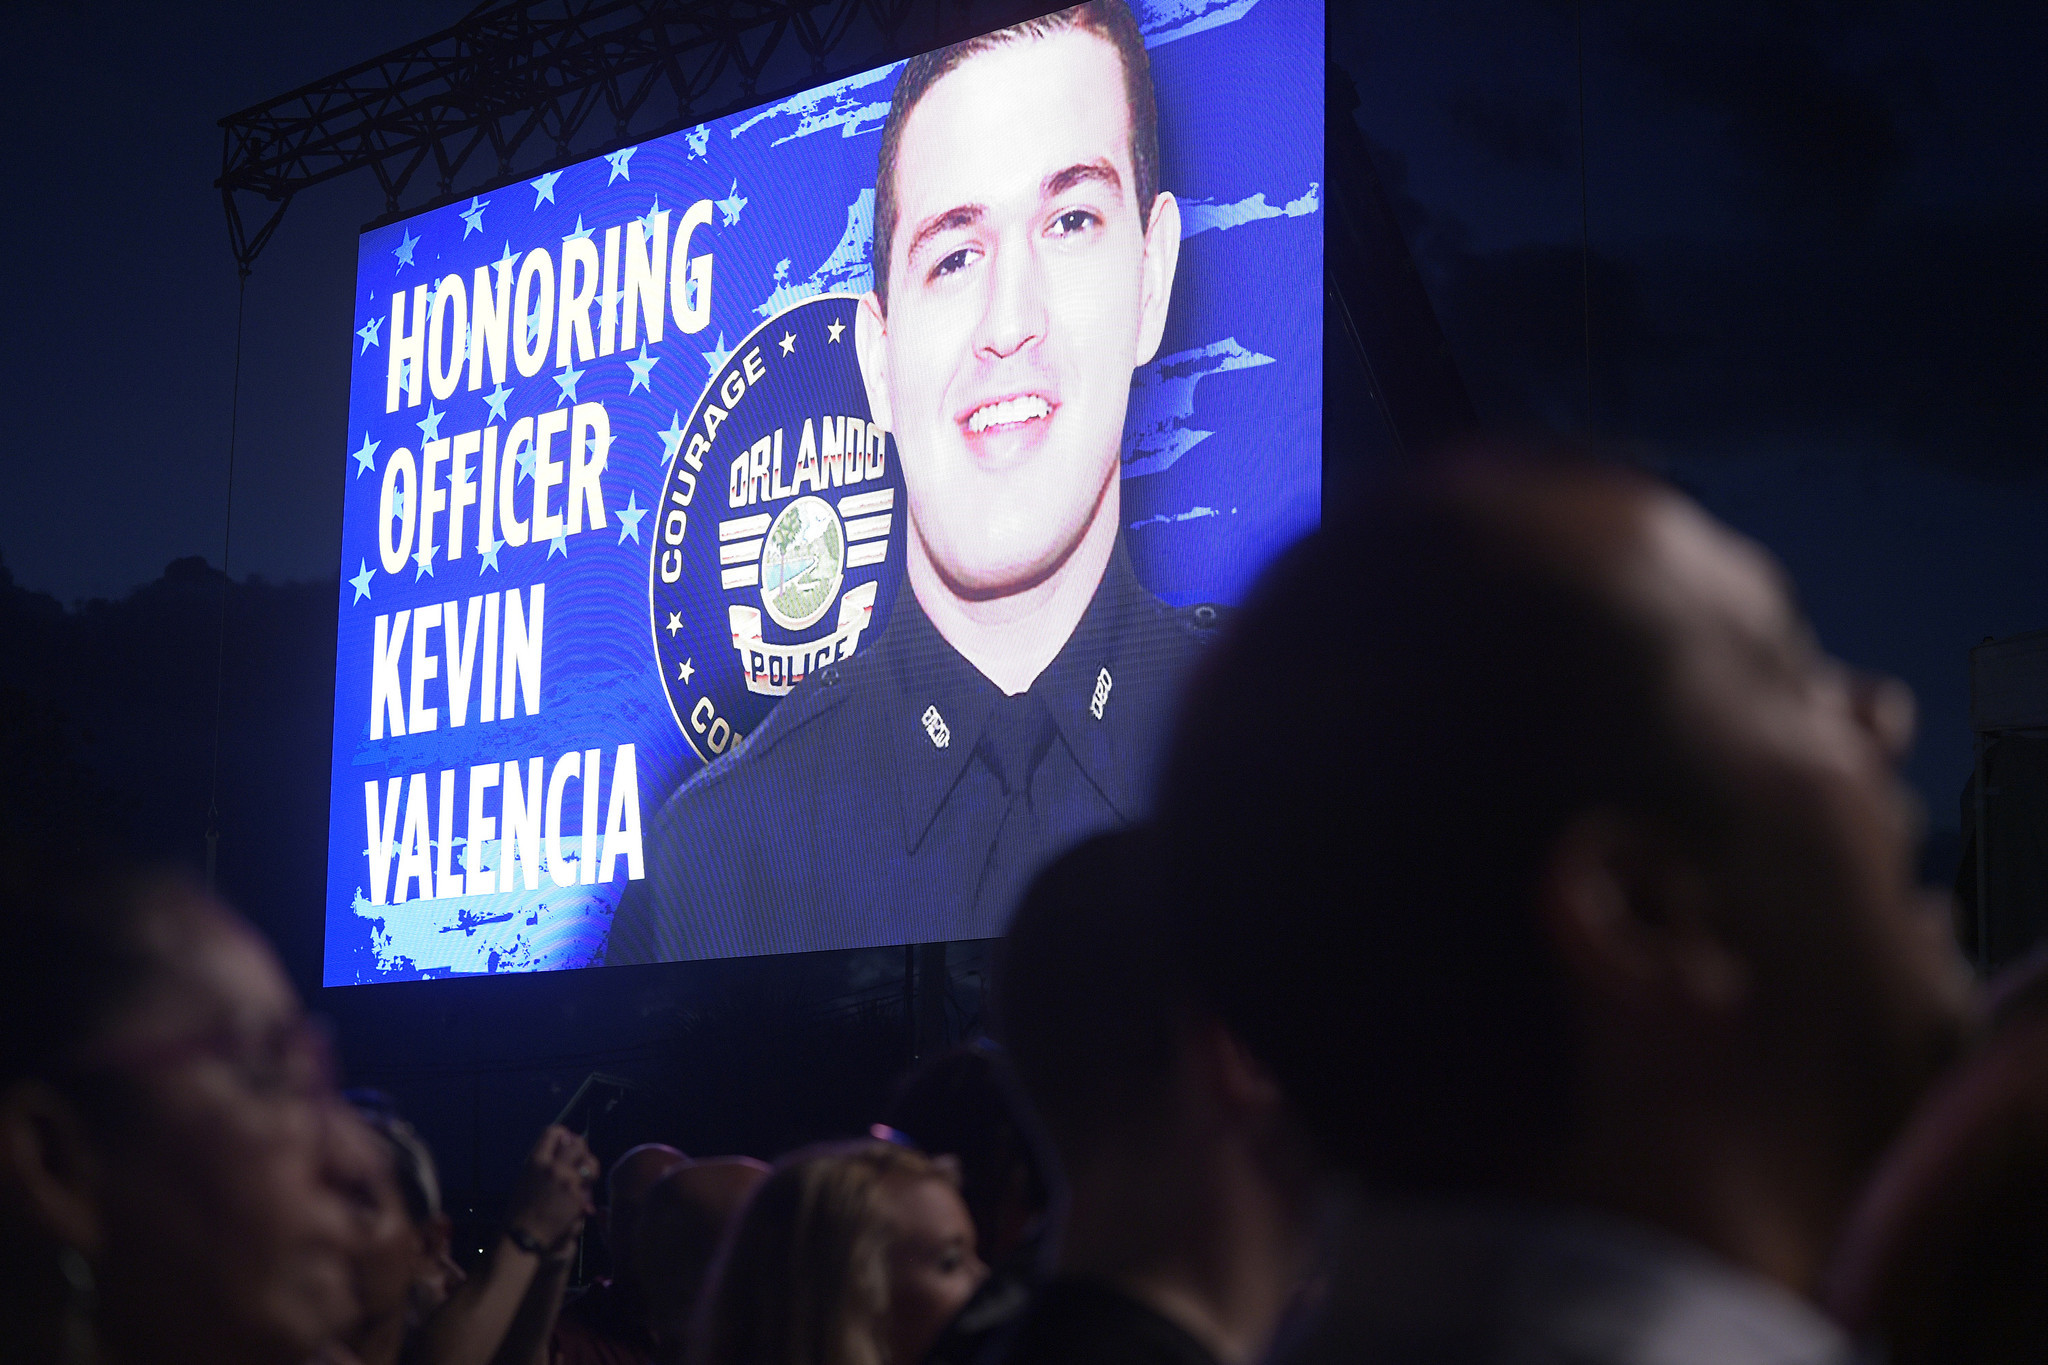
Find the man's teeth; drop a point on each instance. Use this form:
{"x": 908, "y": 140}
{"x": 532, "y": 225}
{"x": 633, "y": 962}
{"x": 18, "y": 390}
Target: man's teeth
{"x": 1010, "y": 410}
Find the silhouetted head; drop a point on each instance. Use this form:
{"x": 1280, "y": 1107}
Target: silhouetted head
{"x": 962, "y": 1104}
{"x": 638, "y": 1170}
{"x": 1528, "y": 775}
{"x": 1946, "y": 1257}
{"x": 1088, "y": 1000}
{"x": 403, "y": 1266}
{"x": 170, "y": 1137}
{"x": 682, "y": 1220}
{"x": 852, "y": 1253}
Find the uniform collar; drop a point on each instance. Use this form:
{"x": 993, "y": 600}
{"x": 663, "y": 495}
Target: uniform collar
{"x": 941, "y": 704}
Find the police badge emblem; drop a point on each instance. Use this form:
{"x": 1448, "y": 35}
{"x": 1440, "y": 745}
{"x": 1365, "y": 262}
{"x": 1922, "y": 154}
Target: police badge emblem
{"x": 781, "y": 524}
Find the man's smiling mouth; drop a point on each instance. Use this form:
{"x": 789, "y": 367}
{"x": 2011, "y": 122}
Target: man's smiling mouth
{"x": 1007, "y": 412}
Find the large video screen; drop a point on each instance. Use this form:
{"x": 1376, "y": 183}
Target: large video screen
{"x": 786, "y": 534}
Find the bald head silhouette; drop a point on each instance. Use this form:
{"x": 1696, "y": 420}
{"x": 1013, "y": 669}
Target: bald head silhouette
{"x": 682, "y": 1221}
{"x": 1525, "y": 831}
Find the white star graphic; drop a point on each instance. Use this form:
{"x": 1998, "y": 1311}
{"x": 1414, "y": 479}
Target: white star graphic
{"x": 685, "y": 671}
{"x": 617, "y": 161}
{"x": 581, "y": 233}
{"x": 490, "y": 554}
{"x": 369, "y": 333}
{"x": 567, "y": 380}
{"x": 642, "y": 370}
{"x": 629, "y": 519}
{"x": 506, "y": 261}
{"x": 559, "y": 545}
{"x": 403, "y": 251}
{"x": 361, "y": 582}
{"x": 835, "y": 329}
{"x": 544, "y": 188}
{"x": 788, "y": 343}
{"x": 365, "y": 457}
{"x": 672, "y": 439}
{"x": 675, "y": 623}
{"x": 495, "y": 400}
{"x": 425, "y": 560}
{"x": 717, "y": 358}
{"x": 430, "y": 429}
{"x": 473, "y": 216}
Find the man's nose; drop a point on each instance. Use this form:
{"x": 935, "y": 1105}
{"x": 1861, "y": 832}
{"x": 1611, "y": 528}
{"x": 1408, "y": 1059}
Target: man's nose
{"x": 1014, "y": 317}
{"x": 1885, "y": 708}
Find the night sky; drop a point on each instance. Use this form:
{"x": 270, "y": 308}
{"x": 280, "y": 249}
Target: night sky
{"x": 1817, "y": 289}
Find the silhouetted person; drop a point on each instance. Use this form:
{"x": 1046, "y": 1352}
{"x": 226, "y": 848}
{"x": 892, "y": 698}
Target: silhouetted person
{"x": 507, "y": 1311}
{"x": 404, "y": 1271}
{"x": 1524, "y": 831}
{"x": 1947, "y": 1258}
{"x": 682, "y": 1221}
{"x": 607, "y": 1323}
{"x": 853, "y": 1253}
{"x": 173, "y": 1183}
{"x": 961, "y": 1104}
{"x": 966, "y": 1106}
{"x": 1190, "y": 1184}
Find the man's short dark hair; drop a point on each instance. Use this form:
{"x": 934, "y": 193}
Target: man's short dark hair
{"x": 1109, "y": 20}
{"x": 1365, "y": 785}
{"x": 962, "y": 1104}
{"x": 1087, "y": 1001}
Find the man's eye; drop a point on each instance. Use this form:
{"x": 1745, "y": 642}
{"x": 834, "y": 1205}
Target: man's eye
{"x": 1073, "y": 221}
{"x": 958, "y": 260}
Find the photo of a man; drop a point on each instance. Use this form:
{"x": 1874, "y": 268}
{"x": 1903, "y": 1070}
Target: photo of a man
{"x": 1024, "y": 262}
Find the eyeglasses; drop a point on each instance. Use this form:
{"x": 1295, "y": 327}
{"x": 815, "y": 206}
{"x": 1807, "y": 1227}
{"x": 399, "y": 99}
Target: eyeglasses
{"x": 292, "y": 1058}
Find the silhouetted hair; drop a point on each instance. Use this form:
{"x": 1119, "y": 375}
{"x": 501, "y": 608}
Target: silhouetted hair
{"x": 803, "y": 1279}
{"x": 1365, "y": 782}
{"x": 1108, "y": 19}
{"x": 1087, "y": 998}
{"x": 683, "y": 1219}
{"x": 1947, "y": 1257}
{"x": 78, "y": 953}
{"x": 962, "y": 1104}
{"x": 412, "y": 1161}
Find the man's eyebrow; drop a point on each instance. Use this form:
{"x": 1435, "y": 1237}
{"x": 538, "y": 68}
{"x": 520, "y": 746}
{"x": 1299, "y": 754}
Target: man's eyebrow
{"x": 1099, "y": 170}
{"x": 966, "y": 215}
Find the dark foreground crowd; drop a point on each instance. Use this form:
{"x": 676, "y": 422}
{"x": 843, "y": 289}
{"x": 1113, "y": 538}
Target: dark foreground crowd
{"x": 1525, "y": 964}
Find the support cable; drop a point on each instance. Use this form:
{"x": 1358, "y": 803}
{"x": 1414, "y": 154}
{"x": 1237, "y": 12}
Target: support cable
{"x": 227, "y": 540}
{"x": 1585, "y": 229}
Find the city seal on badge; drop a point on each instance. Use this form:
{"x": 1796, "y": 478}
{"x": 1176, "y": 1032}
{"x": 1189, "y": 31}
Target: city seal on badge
{"x": 781, "y": 502}
{"x": 802, "y": 562}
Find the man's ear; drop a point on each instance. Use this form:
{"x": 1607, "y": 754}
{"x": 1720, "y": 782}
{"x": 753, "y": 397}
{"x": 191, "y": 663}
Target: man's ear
{"x": 870, "y": 337}
{"x": 1633, "y": 921}
{"x": 1162, "y": 259}
{"x": 49, "y": 1161}
{"x": 437, "y": 1236}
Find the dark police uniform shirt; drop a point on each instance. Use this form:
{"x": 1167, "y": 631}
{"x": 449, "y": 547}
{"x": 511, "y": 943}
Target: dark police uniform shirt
{"x": 901, "y": 797}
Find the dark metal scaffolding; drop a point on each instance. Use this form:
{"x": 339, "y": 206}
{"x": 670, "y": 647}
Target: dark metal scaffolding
{"x": 520, "y": 87}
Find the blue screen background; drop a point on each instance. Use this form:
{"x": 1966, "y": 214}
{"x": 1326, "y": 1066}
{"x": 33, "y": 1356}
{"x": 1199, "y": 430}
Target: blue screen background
{"x": 1222, "y": 442}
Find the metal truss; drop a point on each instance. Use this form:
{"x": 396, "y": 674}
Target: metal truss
{"x": 522, "y": 86}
